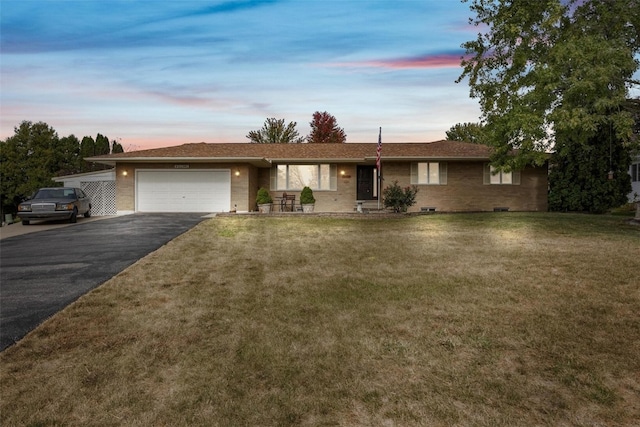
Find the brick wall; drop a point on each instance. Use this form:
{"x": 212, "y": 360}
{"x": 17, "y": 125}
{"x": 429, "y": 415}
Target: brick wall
{"x": 465, "y": 189}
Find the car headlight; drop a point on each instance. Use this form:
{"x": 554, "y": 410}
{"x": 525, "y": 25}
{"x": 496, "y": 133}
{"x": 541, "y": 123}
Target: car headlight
{"x": 24, "y": 208}
{"x": 64, "y": 206}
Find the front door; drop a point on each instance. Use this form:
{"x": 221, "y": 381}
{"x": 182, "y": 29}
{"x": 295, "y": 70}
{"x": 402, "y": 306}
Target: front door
{"x": 367, "y": 183}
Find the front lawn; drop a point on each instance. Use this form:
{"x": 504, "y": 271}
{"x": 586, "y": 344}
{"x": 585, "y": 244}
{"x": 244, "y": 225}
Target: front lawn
{"x": 497, "y": 319}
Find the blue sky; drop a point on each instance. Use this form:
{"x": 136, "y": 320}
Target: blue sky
{"x": 153, "y": 73}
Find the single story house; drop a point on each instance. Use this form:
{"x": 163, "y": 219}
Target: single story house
{"x": 451, "y": 176}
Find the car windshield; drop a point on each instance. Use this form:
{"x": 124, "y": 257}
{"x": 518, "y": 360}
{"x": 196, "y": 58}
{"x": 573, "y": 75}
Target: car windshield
{"x": 50, "y": 194}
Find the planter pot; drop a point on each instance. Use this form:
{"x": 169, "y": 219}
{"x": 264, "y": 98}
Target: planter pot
{"x": 266, "y": 208}
{"x": 307, "y": 208}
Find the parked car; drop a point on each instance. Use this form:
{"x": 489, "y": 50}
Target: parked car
{"x": 55, "y": 203}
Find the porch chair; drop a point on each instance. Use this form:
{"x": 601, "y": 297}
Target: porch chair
{"x": 288, "y": 202}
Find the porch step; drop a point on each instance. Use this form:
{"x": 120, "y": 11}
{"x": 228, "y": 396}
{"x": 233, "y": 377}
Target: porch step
{"x": 368, "y": 206}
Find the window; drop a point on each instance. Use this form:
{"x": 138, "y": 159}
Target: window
{"x": 296, "y": 177}
{"x": 429, "y": 173}
{"x": 635, "y": 172}
{"x": 505, "y": 178}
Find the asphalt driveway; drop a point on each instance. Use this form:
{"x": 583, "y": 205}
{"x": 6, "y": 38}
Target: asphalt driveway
{"x": 44, "y": 271}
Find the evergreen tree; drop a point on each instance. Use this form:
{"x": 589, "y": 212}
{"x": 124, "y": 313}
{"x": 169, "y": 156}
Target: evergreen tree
{"x": 87, "y": 149}
{"x": 103, "y": 146}
{"x": 28, "y": 161}
{"x": 116, "y": 147}
{"x": 68, "y": 156}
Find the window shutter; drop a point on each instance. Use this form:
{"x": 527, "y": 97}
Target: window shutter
{"x": 274, "y": 176}
{"x": 487, "y": 174}
{"x": 333, "y": 177}
{"x": 515, "y": 176}
{"x": 443, "y": 173}
{"x": 414, "y": 173}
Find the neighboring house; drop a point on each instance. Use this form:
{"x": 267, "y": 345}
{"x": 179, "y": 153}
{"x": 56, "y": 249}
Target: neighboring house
{"x": 634, "y": 171}
{"x": 451, "y": 176}
{"x": 99, "y": 185}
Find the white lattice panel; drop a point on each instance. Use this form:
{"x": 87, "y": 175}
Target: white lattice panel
{"x": 103, "y": 197}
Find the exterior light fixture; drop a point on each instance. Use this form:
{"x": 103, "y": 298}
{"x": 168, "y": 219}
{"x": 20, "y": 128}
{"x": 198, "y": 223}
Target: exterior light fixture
{"x": 124, "y": 173}
{"x": 342, "y": 172}
{"x": 237, "y": 173}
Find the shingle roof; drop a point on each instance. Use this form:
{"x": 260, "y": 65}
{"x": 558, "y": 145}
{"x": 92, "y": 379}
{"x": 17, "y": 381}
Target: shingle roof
{"x": 268, "y": 153}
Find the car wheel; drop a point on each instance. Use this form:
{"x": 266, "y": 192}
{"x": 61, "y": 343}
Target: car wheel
{"x": 25, "y": 222}
{"x": 87, "y": 214}
{"x": 74, "y": 217}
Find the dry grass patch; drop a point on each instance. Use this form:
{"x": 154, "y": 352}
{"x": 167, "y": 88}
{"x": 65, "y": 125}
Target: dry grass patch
{"x": 486, "y": 319}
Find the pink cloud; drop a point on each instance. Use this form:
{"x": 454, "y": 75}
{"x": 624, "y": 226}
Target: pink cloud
{"x": 426, "y": 61}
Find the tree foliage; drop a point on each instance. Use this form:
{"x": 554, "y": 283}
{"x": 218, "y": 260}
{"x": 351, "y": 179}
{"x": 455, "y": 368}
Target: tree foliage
{"x": 87, "y": 149}
{"x": 398, "y": 198}
{"x": 103, "y": 146}
{"x": 324, "y": 129}
{"x": 467, "y": 132}
{"x": 90, "y": 147}
{"x": 35, "y": 154}
{"x": 589, "y": 177}
{"x": 29, "y": 159}
{"x": 116, "y": 147}
{"x": 554, "y": 75}
{"x": 274, "y": 131}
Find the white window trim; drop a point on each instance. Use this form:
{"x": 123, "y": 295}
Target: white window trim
{"x": 333, "y": 177}
{"x": 489, "y": 174}
{"x": 442, "y": 176}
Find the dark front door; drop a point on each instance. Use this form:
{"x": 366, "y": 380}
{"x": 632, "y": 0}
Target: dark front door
{"x": 367, "y": 183}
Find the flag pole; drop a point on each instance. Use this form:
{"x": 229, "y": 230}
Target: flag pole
{"x": 378, "y": 161}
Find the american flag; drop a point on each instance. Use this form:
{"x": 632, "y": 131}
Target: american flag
{"x": 378, "y": 151}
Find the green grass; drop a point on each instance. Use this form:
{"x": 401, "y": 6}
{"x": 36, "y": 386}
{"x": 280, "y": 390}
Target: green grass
{"x": 467, "y": 319}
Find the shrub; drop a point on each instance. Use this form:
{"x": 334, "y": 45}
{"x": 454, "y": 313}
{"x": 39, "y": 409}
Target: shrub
{"x": 398, "y": 198}
{"x": 306, "y": 196}
{"x": 263, "y": 197}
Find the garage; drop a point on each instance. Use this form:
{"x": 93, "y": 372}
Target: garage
{"x": 183, "y": 190}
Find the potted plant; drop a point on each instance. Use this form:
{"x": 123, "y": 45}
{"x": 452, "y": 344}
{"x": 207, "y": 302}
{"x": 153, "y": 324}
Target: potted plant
{"x": 264, "y": 200}
{"x": 307, "y": 200}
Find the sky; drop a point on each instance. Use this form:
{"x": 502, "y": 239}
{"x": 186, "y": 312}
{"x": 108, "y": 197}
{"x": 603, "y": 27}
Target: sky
{"x": 154, "y": 73}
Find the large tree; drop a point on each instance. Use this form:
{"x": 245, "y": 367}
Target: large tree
{"x": 589, "y": 177}
{"x": 94, "y": 147}
{"x": 28, "y": 160}
{"x": 116, "y": 147}
{"x": 103, "y": 146}
{"x": 555, "y": 75}
{"x": 467, "y": 132}
{"x": 87, "y": 149}
{"x": 68, "y": 153}
{"x": 324, "y": 129}
{"x": 274, "y": 131}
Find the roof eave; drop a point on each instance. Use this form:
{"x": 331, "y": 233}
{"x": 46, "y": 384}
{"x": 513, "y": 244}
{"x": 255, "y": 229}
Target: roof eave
{"x": 423, "y": 158}
{"x": 256, "y": 161}
{"x": 317, "y": 160}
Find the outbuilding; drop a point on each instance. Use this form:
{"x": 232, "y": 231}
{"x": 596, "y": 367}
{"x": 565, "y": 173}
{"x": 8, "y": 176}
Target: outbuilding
{"x": 99, "y": 185}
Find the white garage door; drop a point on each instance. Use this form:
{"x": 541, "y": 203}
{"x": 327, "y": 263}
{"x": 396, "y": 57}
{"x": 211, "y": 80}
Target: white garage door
{"x": 183, "y": 191}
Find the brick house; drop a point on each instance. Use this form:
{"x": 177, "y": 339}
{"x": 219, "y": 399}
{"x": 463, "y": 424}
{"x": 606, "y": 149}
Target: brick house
{"x": 451, "y": 176}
